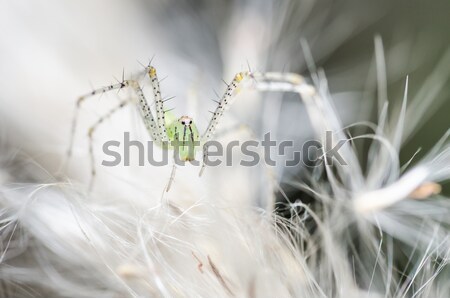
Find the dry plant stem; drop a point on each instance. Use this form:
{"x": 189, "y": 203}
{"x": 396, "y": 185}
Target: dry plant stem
{"x": 219, "y": 276}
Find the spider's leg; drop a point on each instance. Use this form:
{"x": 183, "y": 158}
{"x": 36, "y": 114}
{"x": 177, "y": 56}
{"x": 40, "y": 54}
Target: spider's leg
{"x": 91, "y": 132}
{"x": 284, "y": 82}
{"x": 159, "y": 103}
{"x": 316, "y": 106}
{"x": 270, "y": 81}
{"x": 223, "y": 105}
{"x": 144, "y": 107}
{"x": 174, "y": 167}
{"x": 172, "y": 177}
{"x": 205, "y": 157}
{"x": 218, "y": 113}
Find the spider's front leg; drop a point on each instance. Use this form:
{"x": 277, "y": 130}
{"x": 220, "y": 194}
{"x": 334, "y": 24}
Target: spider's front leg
{"x": 218, "y": 113}
{"x": 161, "y": 122}
{"x": 159, "y": 104}
{"x": 270, "y": 81}
{"x": 283, "y": 82}
{"x": 153, "y": 126}
{"x": 147, "y": 116}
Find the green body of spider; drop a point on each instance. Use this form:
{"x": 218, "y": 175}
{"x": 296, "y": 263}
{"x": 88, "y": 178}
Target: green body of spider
{"x": 183, "y": 136}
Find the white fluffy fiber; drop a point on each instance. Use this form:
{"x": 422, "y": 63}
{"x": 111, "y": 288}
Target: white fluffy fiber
{"x": 372, "y": 235}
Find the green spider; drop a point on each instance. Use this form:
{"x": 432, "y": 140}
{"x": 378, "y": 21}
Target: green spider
{"x": 165, "y": 129}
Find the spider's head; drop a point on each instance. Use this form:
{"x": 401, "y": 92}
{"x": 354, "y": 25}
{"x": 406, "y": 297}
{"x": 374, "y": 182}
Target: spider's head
{"x": 186, "y": 133}
{"x": 185, "y": 120}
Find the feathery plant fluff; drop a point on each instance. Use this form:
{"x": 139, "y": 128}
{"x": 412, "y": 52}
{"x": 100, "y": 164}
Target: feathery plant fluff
{"x": 376, "y": 227}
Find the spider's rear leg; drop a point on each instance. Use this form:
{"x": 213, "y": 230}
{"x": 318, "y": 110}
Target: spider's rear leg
{"x": 174, "y": 167}
{"x": 149, "y": 121}
{"x": 172, "y": 177}
{"x": 91, "y": 132}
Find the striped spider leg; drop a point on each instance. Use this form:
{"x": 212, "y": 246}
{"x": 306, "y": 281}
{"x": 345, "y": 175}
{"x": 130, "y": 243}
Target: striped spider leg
{"x": 155, "y": 127}
{"x": 270, "y": 81}
{"x": 218, "y": 113}
{"x": 91, "y": 132}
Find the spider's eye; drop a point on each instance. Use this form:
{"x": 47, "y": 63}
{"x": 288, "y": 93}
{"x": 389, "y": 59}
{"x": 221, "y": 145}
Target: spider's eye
{"x": 190, "y": 122}
{"x": 182, "y": 122}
